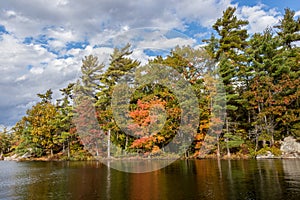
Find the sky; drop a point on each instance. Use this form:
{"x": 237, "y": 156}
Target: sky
{"x": 42, "y": 43}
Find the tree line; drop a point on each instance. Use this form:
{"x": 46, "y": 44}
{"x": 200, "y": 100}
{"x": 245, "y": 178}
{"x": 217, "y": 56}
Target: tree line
{"x": 260, "y": 76}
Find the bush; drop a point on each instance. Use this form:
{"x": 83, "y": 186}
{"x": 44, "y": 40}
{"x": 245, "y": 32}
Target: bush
{"x": 274, "y": 150}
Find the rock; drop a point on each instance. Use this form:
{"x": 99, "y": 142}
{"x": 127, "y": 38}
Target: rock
{"x": 26, "y": 155}
{"x": 290, "y": 148}
{"x": 290, "y": 155}
{"x": 14, "y": 157}
{"x": 267, "y": 155}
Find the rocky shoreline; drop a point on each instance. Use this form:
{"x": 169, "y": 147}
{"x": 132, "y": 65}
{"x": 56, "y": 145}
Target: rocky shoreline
{"x": 290, "y": 149}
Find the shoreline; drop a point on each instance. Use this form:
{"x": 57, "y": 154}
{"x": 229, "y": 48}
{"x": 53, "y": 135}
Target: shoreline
{"x": 49, "y": 159}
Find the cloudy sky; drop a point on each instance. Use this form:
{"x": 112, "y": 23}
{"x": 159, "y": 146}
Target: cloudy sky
{"x": 43, "y": 42}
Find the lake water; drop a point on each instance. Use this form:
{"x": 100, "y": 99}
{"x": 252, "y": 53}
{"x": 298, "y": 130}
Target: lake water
{"x": 192, "y": 179}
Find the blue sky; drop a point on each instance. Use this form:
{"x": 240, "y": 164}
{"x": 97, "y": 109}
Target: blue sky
{"x": 43, "y": 42}
{"x": 280, "y": 5}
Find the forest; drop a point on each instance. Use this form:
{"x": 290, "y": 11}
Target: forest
{"x": 260, "y": 76}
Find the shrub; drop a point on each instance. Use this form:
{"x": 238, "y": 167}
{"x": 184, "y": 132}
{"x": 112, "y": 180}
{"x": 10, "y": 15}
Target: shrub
{"x": 274, "y": 150}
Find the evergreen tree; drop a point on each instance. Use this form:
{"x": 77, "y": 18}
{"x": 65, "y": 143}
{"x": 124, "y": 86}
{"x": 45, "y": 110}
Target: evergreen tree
{"x": 120, "y": 64}
{"x": 91, "y": 75}
{"x": 67, "y": 136}
{"x": 288, "y": 74}
{"x": 47, "y": 97}
{"x": 5, "y": 142}
{"x": 85, "y": 90}
{"x": 289, "y": 29}
{"x": 229, "y": 51}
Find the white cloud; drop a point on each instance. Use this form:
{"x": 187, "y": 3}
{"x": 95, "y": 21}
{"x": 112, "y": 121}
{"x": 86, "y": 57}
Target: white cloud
{"x": 36, "y": 70}
{"x": 204, "y": 11}
{"x": 56, "y": 44}
{"x": 21, "y": 78}
{"x": 28, "y": 69}
{"x": 87, "y": 18}
{"x": 259, "y": 19}
{"x": 25, "y": 71}
{"x": 296, "y": 43}
{"x": 7, "y": 128}
{"x": 166, "y": 44}
{"x": 16, "y": 56}
{"x": 64, "y": 35}
{"x": 139, "y": 55}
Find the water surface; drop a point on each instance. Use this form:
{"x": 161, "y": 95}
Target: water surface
{"x": 193, "y": 179}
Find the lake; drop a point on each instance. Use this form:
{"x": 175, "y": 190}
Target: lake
{"x": 183, "y": 179}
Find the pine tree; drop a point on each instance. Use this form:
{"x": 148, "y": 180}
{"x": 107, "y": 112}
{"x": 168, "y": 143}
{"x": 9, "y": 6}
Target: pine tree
{"x": 85, "y": 92}
{"x": 229, "y": 51}
{"x": 288, "y": 73}
{"x": 289, "y": 28}
{"x": 120, "y": 65}
{"x": 67, "y": 137}
{"x": 90, "y": 80}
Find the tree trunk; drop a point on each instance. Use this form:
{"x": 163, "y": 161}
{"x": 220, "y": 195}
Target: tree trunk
{"x": 126, "y": 144}
{"x": 256, "y": 143}
{"x": 218, "y": 148}
{"x": 69, "y": 149}
{"x": 227, "y": 125}
{"x": 64, "y": 148}
{"x": 227, "y": 131}
{"x": 272, "y": 140}
{"x": 228, "y": 150}
{"x": 97, "y": 150}
{"x": 249, "y": 122}
{"x": 256, "y": 137}
{"x": 272, "y": 134}
{"x": 186, "y": 153}
{"x": 108, "y": 145}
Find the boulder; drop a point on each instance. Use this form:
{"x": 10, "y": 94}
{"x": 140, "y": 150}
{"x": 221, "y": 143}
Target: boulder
{"x": 267, "y": 155}
{"x": 14, "y": 157}
{"x": 26, "y": 155}
{"x": 290, "y": 148}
